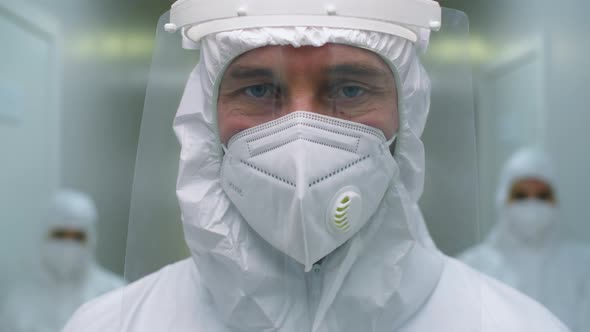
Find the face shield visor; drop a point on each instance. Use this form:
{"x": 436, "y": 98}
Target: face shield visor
{"x": 301, "y": 155}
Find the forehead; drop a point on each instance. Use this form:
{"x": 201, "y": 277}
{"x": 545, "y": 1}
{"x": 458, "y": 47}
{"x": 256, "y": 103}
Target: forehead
{"x": 67, "y": 230}
{"x": 309, "y": 57}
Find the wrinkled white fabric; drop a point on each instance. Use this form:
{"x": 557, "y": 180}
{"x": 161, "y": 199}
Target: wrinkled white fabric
{"x": 387, "y": 277}
{"x": 539, "y": 261}
{"x": 174, "y": 300}
{"x": 66, "y": 276}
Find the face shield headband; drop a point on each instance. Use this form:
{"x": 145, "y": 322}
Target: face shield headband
{"x": 411, "y": 20}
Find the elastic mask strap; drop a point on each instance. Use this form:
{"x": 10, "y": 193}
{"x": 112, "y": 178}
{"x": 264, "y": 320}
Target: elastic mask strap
{"x": 391, "y": 143}
{"x": 391, "y": 140}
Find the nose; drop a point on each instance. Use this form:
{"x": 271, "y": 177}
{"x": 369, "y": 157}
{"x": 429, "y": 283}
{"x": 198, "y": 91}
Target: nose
{"x": 305, "y": 98}
{"x": 302, "y": 102}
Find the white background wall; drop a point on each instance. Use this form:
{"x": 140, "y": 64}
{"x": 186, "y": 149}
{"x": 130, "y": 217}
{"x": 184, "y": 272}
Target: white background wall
{"x": 29, "y": 132}
{"x": 568, "y": 116}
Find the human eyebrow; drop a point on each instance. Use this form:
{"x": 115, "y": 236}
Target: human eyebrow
{"x": 362, "y": 70}
{"x": 243, "y": 72}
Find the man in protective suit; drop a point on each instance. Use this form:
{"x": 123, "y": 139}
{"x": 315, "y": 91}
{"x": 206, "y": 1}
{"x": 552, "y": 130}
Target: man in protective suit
{"x": 300, "y": 171}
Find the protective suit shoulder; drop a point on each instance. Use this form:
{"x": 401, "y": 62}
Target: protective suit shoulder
{"x": 505, "y": 309}
{"x": 118, "y": 310}
{"x": 466, "y": 301}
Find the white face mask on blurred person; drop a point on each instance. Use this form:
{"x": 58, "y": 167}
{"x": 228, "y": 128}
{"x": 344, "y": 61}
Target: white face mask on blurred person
{"x": 65, "y": 259}
{"x": 531, "y": 219}
{"x": 306, "y": 182}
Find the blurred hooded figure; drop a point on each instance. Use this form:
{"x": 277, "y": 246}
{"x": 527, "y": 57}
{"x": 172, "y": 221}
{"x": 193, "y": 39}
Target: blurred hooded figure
{"x": 67, "y": 273}
{"x": 297, "y": 214}
{"x": 526, "y": 249}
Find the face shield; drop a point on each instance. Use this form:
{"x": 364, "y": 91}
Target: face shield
{"x": 300, "y": 160}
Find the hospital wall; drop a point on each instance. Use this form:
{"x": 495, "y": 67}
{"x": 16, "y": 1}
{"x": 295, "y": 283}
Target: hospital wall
{"x": 530, "y": 74}
{"x": 30, "y": 123}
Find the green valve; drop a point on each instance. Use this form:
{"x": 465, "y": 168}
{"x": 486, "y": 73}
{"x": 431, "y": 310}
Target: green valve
{"x": 340, "y": 216}
{"x": 343, "y": 227}
{"x": 340, "y": 222}
{"x": 342, "y": 209}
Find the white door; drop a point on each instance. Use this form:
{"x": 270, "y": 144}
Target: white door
{"x": 29, "y": 131}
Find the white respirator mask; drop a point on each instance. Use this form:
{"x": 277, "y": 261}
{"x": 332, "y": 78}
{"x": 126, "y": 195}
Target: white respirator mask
{"x": 66, "y": 260}
{"x": 306, "y": 183}
{"x": 531, "y": 218}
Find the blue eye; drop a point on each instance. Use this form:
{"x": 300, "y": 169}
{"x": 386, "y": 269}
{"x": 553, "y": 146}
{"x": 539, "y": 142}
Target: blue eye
{"x": 350, "y": 91}
{"x": 257, "y": 91}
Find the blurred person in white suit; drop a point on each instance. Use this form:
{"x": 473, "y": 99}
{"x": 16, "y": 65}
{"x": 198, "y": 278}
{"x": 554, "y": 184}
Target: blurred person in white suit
{"x": 527, "y": 250}
{"x": 66, "y": 275}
